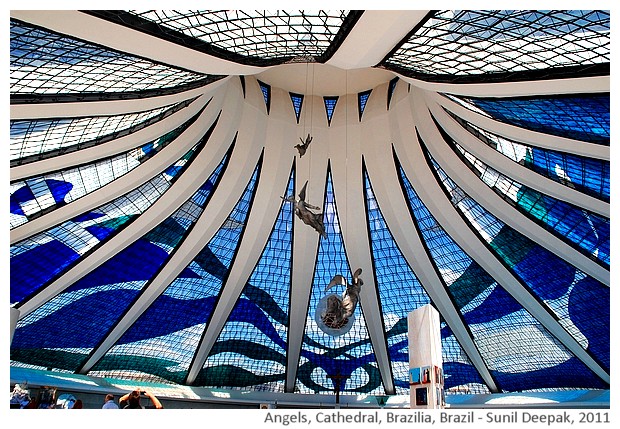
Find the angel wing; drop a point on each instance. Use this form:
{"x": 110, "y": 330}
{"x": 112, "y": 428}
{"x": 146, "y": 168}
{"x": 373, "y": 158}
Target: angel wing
{"x": 336, "y": 280}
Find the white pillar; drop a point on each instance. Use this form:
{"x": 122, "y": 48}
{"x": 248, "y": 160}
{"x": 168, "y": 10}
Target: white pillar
{"x": 425, "y": 362}
{"x": 14, "y": 319}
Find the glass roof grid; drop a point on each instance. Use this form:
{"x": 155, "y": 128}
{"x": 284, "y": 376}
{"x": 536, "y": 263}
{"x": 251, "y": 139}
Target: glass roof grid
{"x": 580, "y": 303}
{"x": 29, "y": 197}
{"x": 579, "y": 117}
{"x": 350, "y": 354}
{"x": 38, "y": 259}
{"x": 572, "y": 305}
{"x": 466, "y": 286}
{"x": 148, "y": 345}
{"x": 391, "y": 87}
{"x": 32, "y": 138}
{"x": 43, "y": 62}
{"x": 463, "y": 277}
{"x": 250, "y": 353}
{"x": 39, "y": 195}
{"x": 81, "y": 316}
{"x": 391, "y": 268}
{"x": 585, "y": 231}
{"x": 477, "y": 42}
{"x": 266, "y": 35}
{"x": 587, "y": 175}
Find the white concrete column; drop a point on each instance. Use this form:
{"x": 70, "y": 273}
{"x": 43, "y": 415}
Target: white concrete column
{"x": 425, "y": 363}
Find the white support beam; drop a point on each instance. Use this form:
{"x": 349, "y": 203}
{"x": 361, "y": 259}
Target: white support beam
{"x": 578, "y": 85}
{"x": 473, "y": 186}
{"x": 441, "y": 208}
{"x": 397, "y": 128}
{"x": 360, "y": 49}
{"x": 273, "y": 133}
{"x": 112, "y": 147}
{"x": 208, "y": 159}
{"x": 124, "y": 184}
{"x": 124, "y": 39}
{"x": 513, "y": 169}
{"x": 522, "y": 135}
{"x": 201, "y": 233}
{"x": 86, "y": 109}
{"x": 348, "y": 184}
{"x": 306, "y": 239}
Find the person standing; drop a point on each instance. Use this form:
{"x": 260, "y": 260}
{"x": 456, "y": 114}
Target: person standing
{"x": 109, "y": 403}
{"x": 132, "y": 400}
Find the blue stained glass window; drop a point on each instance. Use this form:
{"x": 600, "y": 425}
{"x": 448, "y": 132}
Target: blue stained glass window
{"x": 322, "y": 355}
{"x": 258, "y": 34}
{"x": 586, "y": 231}
{"x": 362, "y": 99}
{"x": 38, "y": 259}
{"x": 108, "y": 290}
{"x": 501, "y": 328}
{"x": 266, "y": 90}
{"x": 330, "y": 105}
{"x": 179, "y": 315}
{"x": 42, "y": 194}
{"x": 242, "y": 79}
{"x": 563, "y": 288}
{"x": 590, "y": 176}
{"x": 392, "y": 268}
{"x": 464, "y": 278}
{"x": 587, "y": 175}
{"x": 297, "y": 100}
{"x": 391, "y": 87}
{"x": 584, "y": 117}
{"x": 253, "y": 341}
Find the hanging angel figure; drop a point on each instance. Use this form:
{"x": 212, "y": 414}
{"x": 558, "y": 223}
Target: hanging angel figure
{"x": 301, "y": 148}
{"x": 302, "y": 210}
{"x": 337, "y": 311}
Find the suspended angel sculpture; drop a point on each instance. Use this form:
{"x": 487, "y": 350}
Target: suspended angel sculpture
{"x": 338, "y": 310}
{"x": 301, "y": 148}
{"x": 315, "y": 220}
